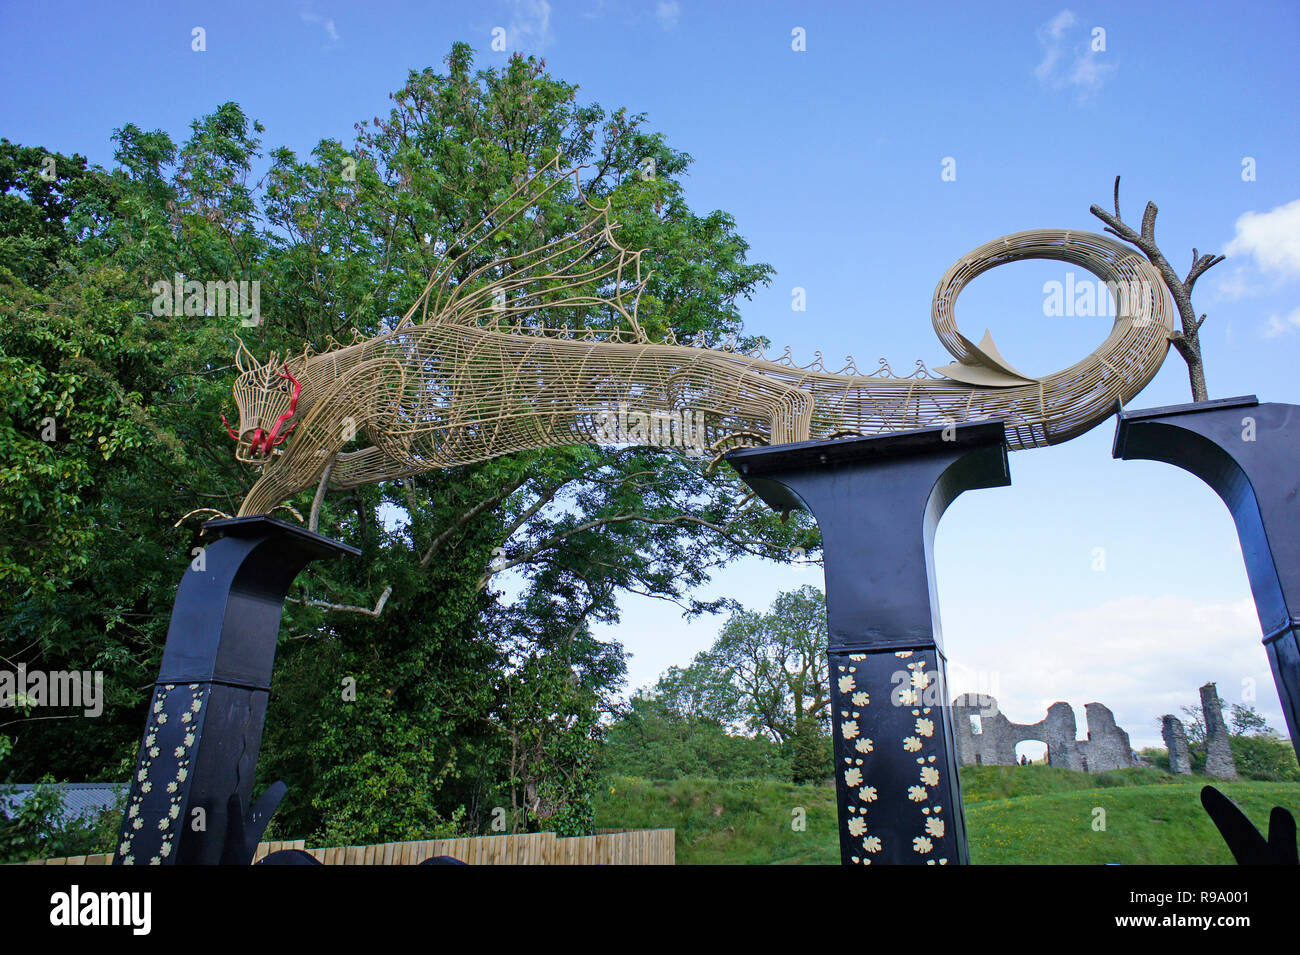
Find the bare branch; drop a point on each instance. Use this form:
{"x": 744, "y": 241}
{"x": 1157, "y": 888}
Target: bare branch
{"x": 746, "y": 545}
{"x": 543, "y": 499}
{"x": 1186, "y": 342}
{"x": 347, "y": 608}
{"x": 1200, "y": 265}
{"x": 32, "y": 719}
{"x": 1185, "y": 348}
{"x": 1149, "y": 224}
{"x": 469, "y": 515}
{"x": 1114, "y": 225}
{"x": 650, "y": 590}
{"x": 319, "y": 499}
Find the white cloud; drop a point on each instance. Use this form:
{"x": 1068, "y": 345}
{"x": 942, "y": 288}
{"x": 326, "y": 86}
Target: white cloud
{"x": 1265, "y": 255}
{"x": 1282, "y": 324}
{"x": 308, "y": 15}
{"x": 1052, "y": 38}
{"x": 1233, "y": 284}
{"x": 1140, "y": 656}
{"x": 530, "y": 24}
{"x": 1089, "y": 72}
{"x": 1271, "y": 238}
{"x": 1063, "y": 65}
{"x": 667, "y": 12}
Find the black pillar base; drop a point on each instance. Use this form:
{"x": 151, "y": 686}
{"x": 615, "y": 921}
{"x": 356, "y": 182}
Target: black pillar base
{"x": 878, "y": 501}
{"x": 1250, "y": 454}
{"x": 201, "y": 739}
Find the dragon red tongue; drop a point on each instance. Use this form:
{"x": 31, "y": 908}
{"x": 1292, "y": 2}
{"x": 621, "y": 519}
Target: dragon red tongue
{"x": 263, "y": 441}
{"x": 274, "y": 437}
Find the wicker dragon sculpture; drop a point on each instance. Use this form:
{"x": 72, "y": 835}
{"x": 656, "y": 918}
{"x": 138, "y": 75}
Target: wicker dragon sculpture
{"x": 473, "y": 370}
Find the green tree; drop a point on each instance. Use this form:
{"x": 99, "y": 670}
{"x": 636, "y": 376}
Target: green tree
{"x": 766, "y": 672}
{"x": 102, "y": 401}
{"x": 49, "y": 203}
{"x": 777, "y": 663}
{"x": 1194, "y": 724}
{"x": 652, "y": 740}
{"x": 811, "y": 759}
{"x": 1246, "y": 722}
{"x": 43, "y": 828}
{"x": 446, "y": 671}
{"x": 700, "y": 693}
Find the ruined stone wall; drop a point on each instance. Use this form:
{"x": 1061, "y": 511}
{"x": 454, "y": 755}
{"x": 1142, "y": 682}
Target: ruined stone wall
{"x": 1218, "y": 753}
{"x": 1175, "y": 737}
{"x": 1107, "y": 746}
{"x": 994, "y": 745}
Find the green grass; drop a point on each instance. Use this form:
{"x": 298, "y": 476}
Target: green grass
{"x": 984, "y": 783}
{"x": 727, "y": 822}
{"x": 1015, "y": 815}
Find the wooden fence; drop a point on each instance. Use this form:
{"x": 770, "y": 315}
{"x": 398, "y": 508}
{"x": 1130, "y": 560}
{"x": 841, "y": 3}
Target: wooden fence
{"x": 627, "y": 847}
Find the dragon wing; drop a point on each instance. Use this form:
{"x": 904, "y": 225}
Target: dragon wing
{"x": 584, "y": 269}
{"x": 984, "y": 365}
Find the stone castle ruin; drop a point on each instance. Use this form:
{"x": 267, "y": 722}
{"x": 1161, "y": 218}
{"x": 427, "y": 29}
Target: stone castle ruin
{"x": 1219, "y": 762}
{"x": 1175, "y": 737}
{"x": 986, "y": 737}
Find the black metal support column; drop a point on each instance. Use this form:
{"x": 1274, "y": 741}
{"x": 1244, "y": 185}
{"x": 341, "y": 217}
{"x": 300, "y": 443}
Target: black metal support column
{"x": 878, "y": 501}
{"x": 1250, "y": 454}
{"x": 205, "y": 722}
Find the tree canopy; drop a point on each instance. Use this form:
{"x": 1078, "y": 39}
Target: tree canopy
{"x": 766, "y": 675}
{"x": 452, "y": 668}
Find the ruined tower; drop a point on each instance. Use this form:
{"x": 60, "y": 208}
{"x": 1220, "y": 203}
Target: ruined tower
{"x": 1180, "y": 759}
{"x": 1218, "y": 753}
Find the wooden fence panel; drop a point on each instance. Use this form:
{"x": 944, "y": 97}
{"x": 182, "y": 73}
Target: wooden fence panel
{"x": 607, "y": 847}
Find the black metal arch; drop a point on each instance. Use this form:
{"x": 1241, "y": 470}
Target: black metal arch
{"x": 191, "y": 798}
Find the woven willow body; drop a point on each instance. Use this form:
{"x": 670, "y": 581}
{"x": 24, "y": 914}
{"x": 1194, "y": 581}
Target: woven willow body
{"x": 480, "y": 368}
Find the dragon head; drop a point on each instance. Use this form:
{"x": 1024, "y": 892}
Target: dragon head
{"x": 267, "y": 398}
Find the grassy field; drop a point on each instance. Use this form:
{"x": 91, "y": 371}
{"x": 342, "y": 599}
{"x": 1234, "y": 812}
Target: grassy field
{"x": 1015, "y": 815}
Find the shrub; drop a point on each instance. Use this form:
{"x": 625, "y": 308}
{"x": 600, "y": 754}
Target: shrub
{"x": 41, "y": 829}
{"x": 1265, "y": 757}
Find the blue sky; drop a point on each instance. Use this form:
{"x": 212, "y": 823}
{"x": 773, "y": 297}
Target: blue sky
{"x": 830, "y": 158}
